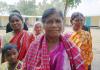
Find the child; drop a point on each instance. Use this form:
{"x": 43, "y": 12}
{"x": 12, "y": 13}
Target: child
{"x": 10, "y": 52}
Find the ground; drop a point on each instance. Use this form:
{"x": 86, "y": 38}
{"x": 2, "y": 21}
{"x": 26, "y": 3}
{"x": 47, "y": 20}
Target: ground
{"x": 96, "y": 49}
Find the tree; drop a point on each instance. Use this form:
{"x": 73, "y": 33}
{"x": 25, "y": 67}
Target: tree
{"x": 70, "y": 4}
{"x": 27, "y": 7}
{"x": 42, "y": 6}
{"x": 11, "y": 7}
{"x": 6, "y": 8}
{"x": 3, "y": 7}
{"x": 59, "y": 4}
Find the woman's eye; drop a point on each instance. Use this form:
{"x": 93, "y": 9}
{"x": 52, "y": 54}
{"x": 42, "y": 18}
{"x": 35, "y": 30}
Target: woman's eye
{"x": 12, "y": 21}
{"x": 17, "y": 20}
{"x": 50, "y": 22}
{"x": 58, "y": 21}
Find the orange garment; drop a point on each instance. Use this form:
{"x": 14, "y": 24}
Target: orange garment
{"x": 84, "y": 41}
{"x": 32, "y": 38}
{"x": 22, "y": 41}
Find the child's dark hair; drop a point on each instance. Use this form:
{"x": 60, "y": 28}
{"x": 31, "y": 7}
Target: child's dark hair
{"x": 49, "y": 12}
{"x": 77, "y": 15}
{"x": 15, "y": 14}
{"x": 9, "y": 47}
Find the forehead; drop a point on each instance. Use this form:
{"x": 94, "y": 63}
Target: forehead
{"x": 38, "y": 25}
{"x": 9, "y": 51}
{"x": 78, "y": 19}
{"x": 15, "y": 17}
{"x": 54, "y": 16}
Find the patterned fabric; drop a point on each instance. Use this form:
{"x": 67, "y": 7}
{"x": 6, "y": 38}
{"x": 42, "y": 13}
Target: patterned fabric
{"x": 75, "y": 39}
{"x": 37, "y": 57}
{"x": 68, "y": 34}
{"x": 21, "y": 39}
{"x": 32, "y": 38}
{"x": 5, "y": 66}
{"x": 0, "y": 50}
{"x": 84, "y": 41}
{"x": 0, "y": 42}
{"x": 19, "y": 66}
{"x": 39, "y": 35}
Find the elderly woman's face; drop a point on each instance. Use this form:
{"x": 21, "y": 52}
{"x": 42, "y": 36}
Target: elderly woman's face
{"x": 77, "y": 24}
{"x": 53, "y": 25}
{"x": 16, "y": 23}
{"x": 38, "y": 28}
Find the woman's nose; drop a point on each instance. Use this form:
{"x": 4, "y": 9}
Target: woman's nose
{"x": 54, "y": 24}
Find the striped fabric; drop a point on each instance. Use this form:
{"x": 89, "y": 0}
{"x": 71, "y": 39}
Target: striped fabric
{"x": 84, "y": 41}
{"x": 22, "y": 41}
{"x": 75, "y": 39}
{"x": 37, "y": 57}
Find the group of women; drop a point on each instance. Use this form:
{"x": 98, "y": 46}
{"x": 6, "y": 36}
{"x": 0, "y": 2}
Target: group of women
{"x": 51, "y": 50}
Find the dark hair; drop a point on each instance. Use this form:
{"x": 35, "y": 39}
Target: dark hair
{"x": 26, "y": 19}
{"x": 15, "y": 11}
{"x": 49, "y": 12}
{"x": 77, "y": 15}
{"x": 8, "y": 47}
{"x": 15, "y": 14}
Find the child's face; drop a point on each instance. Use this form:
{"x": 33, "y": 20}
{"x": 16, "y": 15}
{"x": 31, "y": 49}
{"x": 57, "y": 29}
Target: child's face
{"x": 12, "y": 55}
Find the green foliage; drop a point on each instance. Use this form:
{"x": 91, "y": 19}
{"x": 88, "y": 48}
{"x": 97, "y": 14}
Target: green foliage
{"x": 72, "y": 3}
{"x": 26, "y": 7}
{"x": 45, "y": 5}
{"x": 3, "y": 7}
{"x": 69, "y": 4}
{"x": 29, "y": 7}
